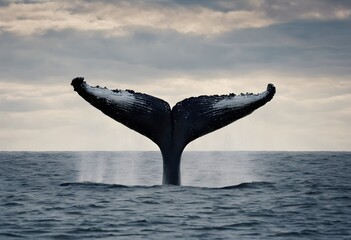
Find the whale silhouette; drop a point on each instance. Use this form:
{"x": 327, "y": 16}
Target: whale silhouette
{"x": 171, "y": 129}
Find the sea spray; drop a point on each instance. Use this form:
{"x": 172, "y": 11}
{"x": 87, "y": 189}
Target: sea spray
{"x": 134, "y": 168}
{"x": 91, "y": 167}
{"x": 218, "y": 168}
{"x": 105, "y": 167}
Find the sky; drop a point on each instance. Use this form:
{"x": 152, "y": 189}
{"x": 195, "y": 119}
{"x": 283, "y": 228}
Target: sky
{"x": 174, "y": 49}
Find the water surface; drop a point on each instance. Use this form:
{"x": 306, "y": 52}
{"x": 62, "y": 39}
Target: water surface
{"x": 225, "y": 195}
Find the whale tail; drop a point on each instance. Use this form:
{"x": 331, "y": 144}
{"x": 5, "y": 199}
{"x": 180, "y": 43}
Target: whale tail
{"x": 171, "y": 129}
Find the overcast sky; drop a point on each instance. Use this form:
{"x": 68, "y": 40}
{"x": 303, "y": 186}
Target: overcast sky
{"x": 175, "y": 49}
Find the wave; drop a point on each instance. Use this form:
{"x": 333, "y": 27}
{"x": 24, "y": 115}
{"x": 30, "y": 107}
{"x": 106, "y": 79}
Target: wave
{"x": 249, "y": 185}
{"x": 244, "y": 185}
{"x": 92, "y": 185}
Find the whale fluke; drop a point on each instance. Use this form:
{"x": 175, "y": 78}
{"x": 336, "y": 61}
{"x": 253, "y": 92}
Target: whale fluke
{"x": 197, "y": 116}
{"x": 171, "y": 129}
{"x": 148, "y": 115}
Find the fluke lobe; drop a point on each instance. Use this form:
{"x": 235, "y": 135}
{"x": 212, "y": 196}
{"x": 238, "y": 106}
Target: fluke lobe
{"x": 171, "y": 129}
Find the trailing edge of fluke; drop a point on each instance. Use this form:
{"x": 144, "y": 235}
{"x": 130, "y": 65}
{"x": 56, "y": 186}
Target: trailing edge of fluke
{"x": 171, "y": 128}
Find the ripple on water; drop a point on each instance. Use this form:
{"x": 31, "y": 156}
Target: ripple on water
{"x": 277, "y": 195}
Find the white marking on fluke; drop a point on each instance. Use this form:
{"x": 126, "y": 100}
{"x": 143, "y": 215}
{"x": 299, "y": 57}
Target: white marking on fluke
{"x": 121, "y": 96}
{"x": 239, "y": 100}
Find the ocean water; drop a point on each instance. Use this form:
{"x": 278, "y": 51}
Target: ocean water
{"x": 225, "y": 195}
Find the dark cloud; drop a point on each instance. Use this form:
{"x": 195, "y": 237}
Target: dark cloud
{"x": 282, "y": 10}
{"x": 314, "y": 48}
{"x": 223, "y": 6}
{"x": 313, "y": 9}
{"x": 7, "y": 2}
{"x": 274, "y": 8}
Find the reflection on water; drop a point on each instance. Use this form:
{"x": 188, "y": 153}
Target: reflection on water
{"x": 214, "y": 169}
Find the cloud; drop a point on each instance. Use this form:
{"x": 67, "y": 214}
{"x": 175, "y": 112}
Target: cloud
{"x": 290, "y": 10}
{"x": 120, "y": 18}
{"x": 173, "y": 50}
{"x": 302, "y": 48}
{"x": 24, "y": 98}
{"x": 70, "y": 38}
